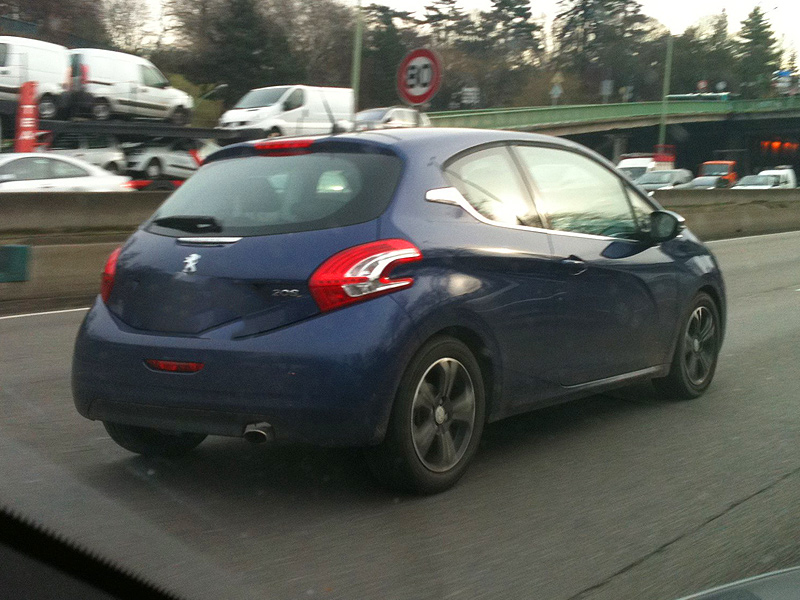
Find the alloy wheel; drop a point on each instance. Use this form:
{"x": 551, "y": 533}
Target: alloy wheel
{"x": 700, "y": 345}
{"x": 443, "y": 415}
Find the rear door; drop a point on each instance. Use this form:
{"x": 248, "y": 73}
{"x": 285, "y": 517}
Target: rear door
{"x": 9, "y": 72}
{"x": 620, "y": 293}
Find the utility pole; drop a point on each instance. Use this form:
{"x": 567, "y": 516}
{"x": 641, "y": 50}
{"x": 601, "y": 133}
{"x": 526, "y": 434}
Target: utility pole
{"x": 662, "y": 129}
{"x": 355, "y": 69}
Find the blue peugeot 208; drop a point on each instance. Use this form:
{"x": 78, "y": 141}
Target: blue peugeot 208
{"x": 394, "y": 290}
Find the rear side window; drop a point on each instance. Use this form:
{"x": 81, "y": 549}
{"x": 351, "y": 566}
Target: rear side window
{"x": 265, "y": 195}
{"x": 489, "y": 181}
{"x": 3, "y": 54}
{"x": 98, "y": 142}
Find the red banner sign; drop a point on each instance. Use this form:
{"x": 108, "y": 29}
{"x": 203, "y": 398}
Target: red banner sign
{"x": 27, "y": 118}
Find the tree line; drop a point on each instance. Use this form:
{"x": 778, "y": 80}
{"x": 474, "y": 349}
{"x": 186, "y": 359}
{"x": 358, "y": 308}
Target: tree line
{"x": 507, "y": 55}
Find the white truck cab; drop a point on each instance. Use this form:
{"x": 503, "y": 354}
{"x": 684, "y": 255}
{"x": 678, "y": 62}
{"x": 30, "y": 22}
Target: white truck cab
{"x": 291, "y": 110}
{"x": 785, "y": 175}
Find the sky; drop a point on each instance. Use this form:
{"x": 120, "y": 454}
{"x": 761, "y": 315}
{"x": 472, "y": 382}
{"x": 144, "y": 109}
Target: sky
{"x": 784, "y": 15}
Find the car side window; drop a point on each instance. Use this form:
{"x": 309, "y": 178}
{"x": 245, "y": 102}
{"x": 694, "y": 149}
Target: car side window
{"x": 295, "y": 100}
{"x": 641, "y": 209}
{"x": 66, "y": 141}
{"x": 489, "y": 181}
{"x": 61, "y": 169}
{"x": 27, "y": 169}
{"x": 578, "y": 194}
{"x": 150, "y": 77}
{"x": 97, "y": 142}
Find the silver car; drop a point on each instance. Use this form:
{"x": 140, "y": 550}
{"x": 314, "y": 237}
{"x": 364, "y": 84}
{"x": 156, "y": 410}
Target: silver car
{"x": 98, "y": 149}
{"x": 40, "y": 172}
{"x": 390, "y": 117}
{"x": 165, "y": 158}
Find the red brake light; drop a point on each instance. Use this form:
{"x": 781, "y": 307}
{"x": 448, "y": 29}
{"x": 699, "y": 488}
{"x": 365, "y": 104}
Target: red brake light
{"x": 107, "y": 282}
{"x": 283, "y": 147}
{"x": 361, "y": 273}
{"x": 173, "y": 366}
{"x": 84, "y": 74}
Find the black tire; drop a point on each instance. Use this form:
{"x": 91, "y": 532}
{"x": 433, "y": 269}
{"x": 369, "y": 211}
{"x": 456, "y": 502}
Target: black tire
{"x": 101, "y": 110}
{"x": 153, "y": 442}
{"x": 180, "y": 116}
{"x": 399, "y": 462}
{"x": 696, "y": 352}
{"x": 112, "y": 167}
{"x": 153, "y": 170}
{"x": 48, "y": 107}
{"x": 273, "y": 133}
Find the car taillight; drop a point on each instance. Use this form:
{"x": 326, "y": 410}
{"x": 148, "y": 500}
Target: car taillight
{"x": 173, "y": 366}
{"x": 196, "y": 156}
{"x": 283, "y": 147}
{"x": 107, "y": 282}
{"x": 84, "y": 74}
{"x": 361, "y": 273}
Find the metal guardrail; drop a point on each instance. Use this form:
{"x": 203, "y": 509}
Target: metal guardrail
{"x": 543, "y": 116}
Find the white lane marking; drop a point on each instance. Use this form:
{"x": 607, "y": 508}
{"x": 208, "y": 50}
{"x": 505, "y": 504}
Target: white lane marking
{"x": 39, "y": 314}
{"x": 750, "y": 237}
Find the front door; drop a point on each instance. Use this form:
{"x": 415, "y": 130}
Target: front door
{"x": 620, "y": 290}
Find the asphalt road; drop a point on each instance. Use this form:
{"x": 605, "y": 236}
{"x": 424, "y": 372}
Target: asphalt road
{"x": 611, "y": 497}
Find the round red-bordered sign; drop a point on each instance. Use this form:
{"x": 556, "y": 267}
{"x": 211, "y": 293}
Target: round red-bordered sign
{"x": 419, "y": 76}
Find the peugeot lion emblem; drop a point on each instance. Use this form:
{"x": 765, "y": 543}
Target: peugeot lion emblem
{"x": 190, "y": 263}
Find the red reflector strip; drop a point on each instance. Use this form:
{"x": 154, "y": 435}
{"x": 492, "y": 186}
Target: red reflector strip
{"x": 283, "y": 147}
{"x": 173, "y": 366}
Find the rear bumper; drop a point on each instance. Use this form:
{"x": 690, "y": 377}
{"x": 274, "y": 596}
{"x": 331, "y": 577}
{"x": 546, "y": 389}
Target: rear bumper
{"x": 329, "y": 380}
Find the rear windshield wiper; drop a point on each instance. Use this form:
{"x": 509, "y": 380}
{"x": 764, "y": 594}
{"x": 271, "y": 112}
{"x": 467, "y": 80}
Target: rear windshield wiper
{"x": 190, "y": 223}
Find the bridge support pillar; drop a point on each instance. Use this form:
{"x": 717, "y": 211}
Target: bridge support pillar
{"x": 619, "y": 145}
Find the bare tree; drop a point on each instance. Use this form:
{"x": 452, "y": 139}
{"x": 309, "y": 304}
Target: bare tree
{"x": 128, "y": 24}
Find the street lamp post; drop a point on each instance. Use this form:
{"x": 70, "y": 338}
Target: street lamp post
{"x": 662, "y": 128}
{"x": 355, "y": 69}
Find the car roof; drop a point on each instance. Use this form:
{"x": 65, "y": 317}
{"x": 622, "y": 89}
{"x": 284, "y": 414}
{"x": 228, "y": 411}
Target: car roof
{"x": 435, "y": 143}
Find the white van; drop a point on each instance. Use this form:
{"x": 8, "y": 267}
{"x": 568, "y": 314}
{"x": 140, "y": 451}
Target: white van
{"x": 292, "y": 110}
{"x": 24, "y": 60}
{"x": 106, "y": 83}
{"x": 784, "y": 174}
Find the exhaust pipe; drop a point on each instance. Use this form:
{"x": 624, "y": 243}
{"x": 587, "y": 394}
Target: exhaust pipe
{"x": 258, "y": 433}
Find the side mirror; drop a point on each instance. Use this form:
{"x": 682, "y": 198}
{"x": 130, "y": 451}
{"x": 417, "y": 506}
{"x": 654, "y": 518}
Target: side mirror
{"x": 665, "y": 225}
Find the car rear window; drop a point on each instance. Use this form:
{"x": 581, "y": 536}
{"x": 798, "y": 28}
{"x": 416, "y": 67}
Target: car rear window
{"x": 265, "y": 195}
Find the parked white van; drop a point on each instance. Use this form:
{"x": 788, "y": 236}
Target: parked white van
{"x": 292, "y": 110}
{"x": 106, "y": 83}
{"x": 24, "y": 60}
{"x": 784, "y": 174}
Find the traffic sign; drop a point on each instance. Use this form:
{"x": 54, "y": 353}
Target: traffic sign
{"x": 419, "y": 76}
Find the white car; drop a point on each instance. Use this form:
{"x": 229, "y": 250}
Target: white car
{"x": 165, "y": 158}
{"x": 37, "y": 172}
{"x": 292, "y": 110}
{"x": 106, "y": 83}
{"x": 99, "y": 149}
{"x": 22, "y": 60}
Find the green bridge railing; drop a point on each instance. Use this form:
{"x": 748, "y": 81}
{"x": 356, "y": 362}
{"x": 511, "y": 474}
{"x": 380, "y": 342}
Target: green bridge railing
{"x": 542, "y": 116}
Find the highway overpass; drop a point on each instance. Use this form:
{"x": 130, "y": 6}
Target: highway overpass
{"x": 590, "y": 118}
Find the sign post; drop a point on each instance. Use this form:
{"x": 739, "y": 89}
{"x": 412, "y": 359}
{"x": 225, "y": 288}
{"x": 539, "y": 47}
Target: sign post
{"x": 419, "y": 76}
{"x": 27, "y": 118}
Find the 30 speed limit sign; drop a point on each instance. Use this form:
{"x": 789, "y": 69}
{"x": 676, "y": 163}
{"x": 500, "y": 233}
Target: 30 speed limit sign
{"x": 419, "y": 76}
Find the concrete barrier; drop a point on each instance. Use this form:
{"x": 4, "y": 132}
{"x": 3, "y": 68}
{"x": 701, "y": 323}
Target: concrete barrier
{"x": 47, "y": 213}
{"x": 64, "y": 274}
{"x": 720, "y": 214}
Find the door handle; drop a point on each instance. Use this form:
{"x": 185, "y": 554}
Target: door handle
{"x": 576, "y": 265}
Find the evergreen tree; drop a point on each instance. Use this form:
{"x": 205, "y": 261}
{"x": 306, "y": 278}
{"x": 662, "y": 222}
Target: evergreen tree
{"x": 758, "y": 54}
